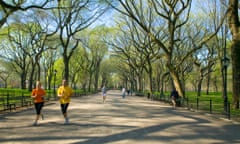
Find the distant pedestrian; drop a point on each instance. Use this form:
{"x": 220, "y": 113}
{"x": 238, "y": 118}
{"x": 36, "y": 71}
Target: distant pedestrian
{"x": 174, "y": 96}
{"x": 104, "y": 93}
{"x": 65, "y": 93}
{"x": 128, "y": 92}
{"x": 123, "y": 92}
{"x": 38, "y": 95}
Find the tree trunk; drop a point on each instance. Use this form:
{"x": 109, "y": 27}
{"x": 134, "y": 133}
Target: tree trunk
{"x": 234, "y": 25}
{"x": 162, "y": 82}
{"x": 31, "y": 79}
{"x": 90, "y": 81}
{"x": 199, "y": 87}
{"x": 23, "y": 80}
{"x": 97, "y": 75}
{"x": 140, "y": 83}
{"x": 5, "y": 83}
{"x": 215, "y": 84}
{"x": 236, "y": 70}
{"x": 208, "y": 81}
{"x": 66, "y": 67}
{"x": 177, "y": 82}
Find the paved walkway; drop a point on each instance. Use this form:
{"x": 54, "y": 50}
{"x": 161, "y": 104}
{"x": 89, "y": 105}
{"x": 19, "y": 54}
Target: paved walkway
{"x": 133, "y": 120}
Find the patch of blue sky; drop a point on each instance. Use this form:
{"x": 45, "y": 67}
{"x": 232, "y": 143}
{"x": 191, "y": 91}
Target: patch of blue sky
{"x": 107, "y": 19}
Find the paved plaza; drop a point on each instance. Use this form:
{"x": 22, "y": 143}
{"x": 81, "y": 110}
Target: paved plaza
{"x": 133, "y": 120}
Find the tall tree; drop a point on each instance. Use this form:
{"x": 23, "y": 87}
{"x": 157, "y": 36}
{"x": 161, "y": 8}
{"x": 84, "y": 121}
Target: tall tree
{"x": 234, "y": 25}
{"x": 125, "y": 48}
{"x": 73, "y": 17}
{"x": 95, "y": 50}
{"x": 4, "y": 75}
{"x": 14, "y": 49}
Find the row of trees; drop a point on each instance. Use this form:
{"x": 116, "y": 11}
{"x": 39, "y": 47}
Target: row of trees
{"x": 152, "y": 41}
{"x": 40, "y": 35}
{"x": 168, "y": 32}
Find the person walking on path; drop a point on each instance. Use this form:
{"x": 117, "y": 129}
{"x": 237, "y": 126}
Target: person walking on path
{"x": 64, "y": 94}
{"x": 128, "y": 92}
{"x": 38, "y": 95}
{"x": 104, "y": 93}
{"x": 174, "y": 96}
{"x": 123, "y": 92}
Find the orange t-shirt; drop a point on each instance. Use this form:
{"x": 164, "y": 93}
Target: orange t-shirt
{"x": 40, "y": 94}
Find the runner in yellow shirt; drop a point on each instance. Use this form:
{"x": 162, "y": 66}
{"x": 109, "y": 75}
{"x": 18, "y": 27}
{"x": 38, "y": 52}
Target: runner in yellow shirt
{"x": 64, "y": 94}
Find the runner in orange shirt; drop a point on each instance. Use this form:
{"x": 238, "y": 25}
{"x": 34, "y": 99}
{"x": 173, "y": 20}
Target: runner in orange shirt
{"x": 38, "y": 95}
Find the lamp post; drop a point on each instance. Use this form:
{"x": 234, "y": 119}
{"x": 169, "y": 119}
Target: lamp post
{"x": 143, "y": 85}
{"x": 54, "y": 89}
{"x": 225, "y": 63}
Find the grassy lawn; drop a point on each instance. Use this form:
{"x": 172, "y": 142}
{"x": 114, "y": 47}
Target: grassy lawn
{"x": 212, "y": 103}
{"x": 18, "y": 96}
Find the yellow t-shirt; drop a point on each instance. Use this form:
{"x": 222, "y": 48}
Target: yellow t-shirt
{"x": 66, "y": 92}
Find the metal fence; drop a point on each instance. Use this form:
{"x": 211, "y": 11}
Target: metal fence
{"x": 12, "y": 100}
{"x": 206, "y": 105}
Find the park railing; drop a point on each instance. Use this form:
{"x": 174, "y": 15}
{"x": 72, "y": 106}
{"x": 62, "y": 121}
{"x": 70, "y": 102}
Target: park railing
{"x": 11, "y": 99}
{"x": 203, "y": 104}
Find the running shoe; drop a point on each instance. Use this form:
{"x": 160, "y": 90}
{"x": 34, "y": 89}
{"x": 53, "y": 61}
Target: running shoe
{"x": 66, "y": 121}
{"x": 35, "y": 124}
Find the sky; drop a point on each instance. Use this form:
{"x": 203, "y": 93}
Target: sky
{"x": 106, "y": 19}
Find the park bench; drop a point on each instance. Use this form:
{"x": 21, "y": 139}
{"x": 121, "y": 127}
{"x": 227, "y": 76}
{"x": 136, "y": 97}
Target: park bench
{"x": 10, "y": 106}
{"x": 26, "y": 101}
{"x": 2, "y": 104}
{"x": 12, "y": 102}
{"x": 7, "y": 105}
{"x": 139, "y": 94}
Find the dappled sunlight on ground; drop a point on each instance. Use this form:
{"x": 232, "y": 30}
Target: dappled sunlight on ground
{"x": 119, "y": 121}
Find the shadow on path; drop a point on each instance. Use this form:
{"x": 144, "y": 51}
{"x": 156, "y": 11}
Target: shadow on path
{"x": 130, "y": 120}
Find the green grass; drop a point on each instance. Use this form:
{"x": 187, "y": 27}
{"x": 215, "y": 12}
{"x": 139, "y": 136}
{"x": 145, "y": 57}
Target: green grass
{"x": 204, "y": 102}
